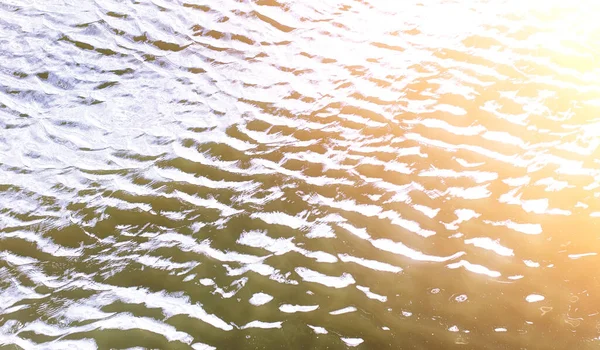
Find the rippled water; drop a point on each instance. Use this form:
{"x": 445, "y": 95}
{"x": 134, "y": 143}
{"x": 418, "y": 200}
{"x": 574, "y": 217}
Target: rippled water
{"x": 299, "y": 174}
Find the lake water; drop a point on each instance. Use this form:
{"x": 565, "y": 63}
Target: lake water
{"x": 326, "y": 174}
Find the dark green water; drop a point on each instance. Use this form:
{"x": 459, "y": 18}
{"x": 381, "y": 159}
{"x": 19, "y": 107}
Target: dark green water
{"x": 299, "y": 174}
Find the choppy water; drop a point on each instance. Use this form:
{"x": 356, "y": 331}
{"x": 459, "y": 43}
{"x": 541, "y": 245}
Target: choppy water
{"x": 299, "y": 174}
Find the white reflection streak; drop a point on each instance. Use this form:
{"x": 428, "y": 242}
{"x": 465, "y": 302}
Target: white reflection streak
{"x": 308, "y": 275}
{"x": 489, "y": 244}
{"x": 474, "y": 268}
{"x": 343, "y": 311}
{"x": 397, "y": 247}
{"x": 290, "y": 309}
{"x": 260, "y": 324}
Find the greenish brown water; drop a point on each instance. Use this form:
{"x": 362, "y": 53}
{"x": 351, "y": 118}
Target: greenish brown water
{"x": 299, "y": 174}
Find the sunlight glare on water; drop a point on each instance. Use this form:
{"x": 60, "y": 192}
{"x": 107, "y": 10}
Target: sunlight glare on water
{"x": 299, "y": 174}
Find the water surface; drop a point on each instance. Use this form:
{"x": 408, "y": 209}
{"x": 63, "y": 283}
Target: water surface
{"x": 299, "y": 174}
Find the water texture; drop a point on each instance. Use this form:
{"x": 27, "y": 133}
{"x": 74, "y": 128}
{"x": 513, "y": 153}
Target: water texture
{"x": 325, "y": 174}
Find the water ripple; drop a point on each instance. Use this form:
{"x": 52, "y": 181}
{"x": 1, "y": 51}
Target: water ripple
{"x": 266, "y": 174}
